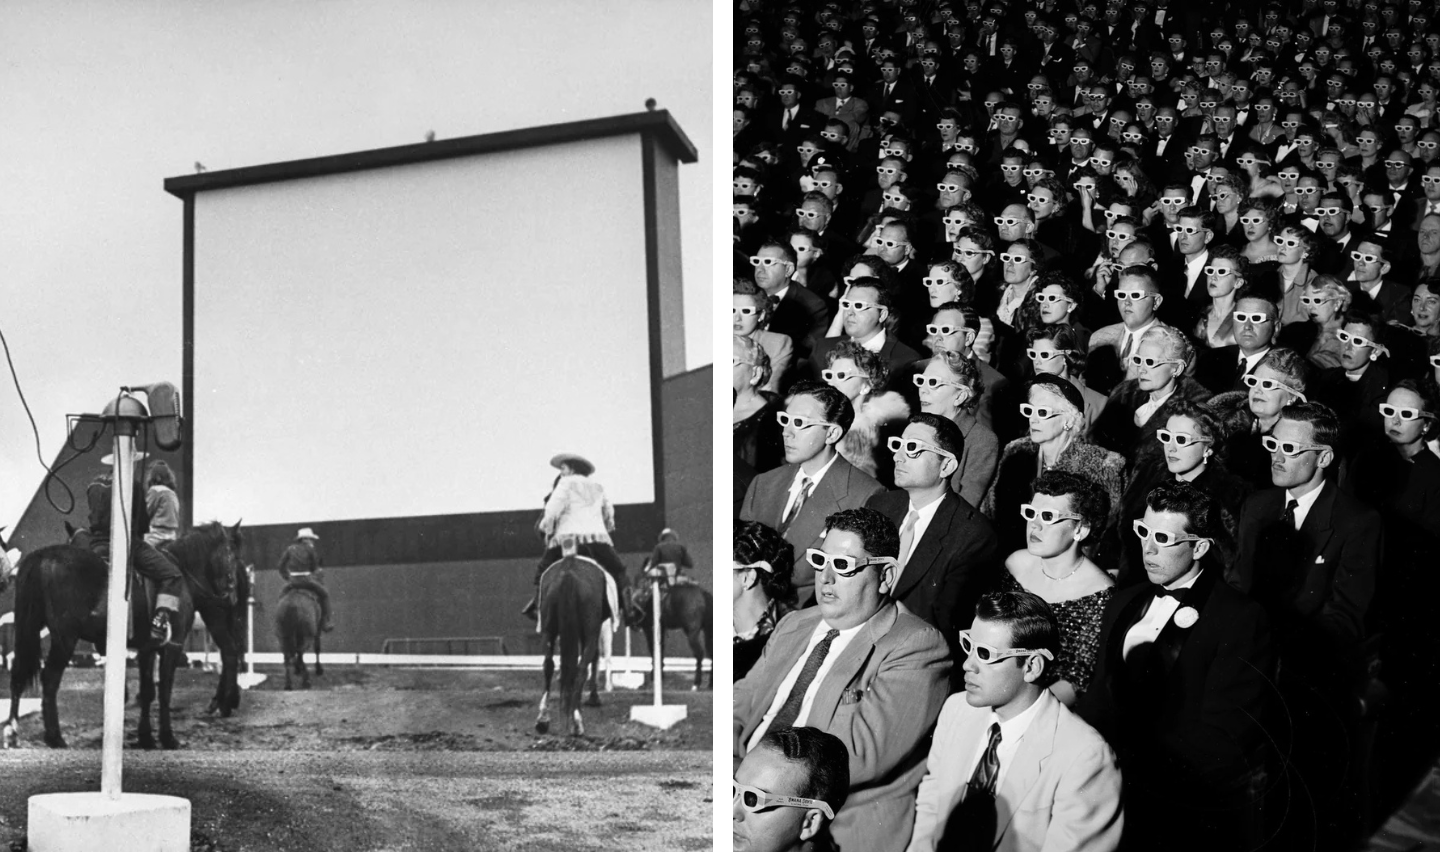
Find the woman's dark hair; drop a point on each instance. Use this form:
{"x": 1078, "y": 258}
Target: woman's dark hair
{"x": 160, "y": 474}
{"x": 756, "y": 542}
{"x": 1066, "y": 339}
{"x": 1087, "y": 498}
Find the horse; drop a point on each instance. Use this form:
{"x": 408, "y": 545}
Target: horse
{"x": 226, "y": 618}
{"x": 297, "y": 624}
{"x": 572, "y": 608}
{"x": 61, "y": 586}
{"x": 685, "y": 607}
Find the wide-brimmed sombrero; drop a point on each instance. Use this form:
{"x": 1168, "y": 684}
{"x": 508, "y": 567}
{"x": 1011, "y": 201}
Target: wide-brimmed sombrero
{"x": 109, "y": 458}
{"x": 579, "y": 464}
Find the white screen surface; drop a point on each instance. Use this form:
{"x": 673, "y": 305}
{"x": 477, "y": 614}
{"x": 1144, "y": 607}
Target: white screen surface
{"x": 421, "y": 339}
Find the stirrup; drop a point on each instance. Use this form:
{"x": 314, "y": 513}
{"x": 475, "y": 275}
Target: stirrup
{"x": 160, "y": 627}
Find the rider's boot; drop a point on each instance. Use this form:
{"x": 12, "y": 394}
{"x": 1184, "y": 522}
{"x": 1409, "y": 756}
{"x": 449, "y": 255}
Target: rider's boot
{"x": 529, "y": 610}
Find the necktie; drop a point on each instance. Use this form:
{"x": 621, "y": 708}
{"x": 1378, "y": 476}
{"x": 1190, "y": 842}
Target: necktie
{"x": 907, "y": 536}
{"x": 785, "y": 121}
{"x": 1289, "y": 516}
{"x": 1125, "y": 350}
{"x": 791, "y": 708}
{"x": 1177, "y": 594}
{"x": 800, "y": 498}
{"x": 889, "y": 90}
{"x": 989, "y": 769}
{"x": 1240, "y": 370}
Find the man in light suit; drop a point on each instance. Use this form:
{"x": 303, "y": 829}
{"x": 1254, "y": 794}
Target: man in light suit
{"x": 950, "y": 554}
{"x": 845, "y": 106}
{"x": 861, "y": 667}
{"x": 1182, "y": 683}
{"x": 1051, "y": 782}
{"x": 815, "y": 481}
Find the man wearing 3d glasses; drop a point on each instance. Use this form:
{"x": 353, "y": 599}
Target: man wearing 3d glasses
{"x": 1309, "y": 553}
{"x": 788, "y": 790}
{"x": 1182, "y": 682}
{"x": 859, "y": 666}
{"x": 1011, "y": 767}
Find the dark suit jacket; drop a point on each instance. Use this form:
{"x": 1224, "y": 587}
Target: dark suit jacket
{"x": 801, "y": 315}
{"x": 953, "y": 563}
{"x": 844, "y": 487}
{"x": 1184, "y": 712}
{"x": 1317, "y": 582}
{"x": 1392, "y": 302}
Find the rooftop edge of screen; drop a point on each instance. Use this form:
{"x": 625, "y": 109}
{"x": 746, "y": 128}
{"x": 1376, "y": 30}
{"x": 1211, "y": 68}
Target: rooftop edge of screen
{"x": 658, "y": 124}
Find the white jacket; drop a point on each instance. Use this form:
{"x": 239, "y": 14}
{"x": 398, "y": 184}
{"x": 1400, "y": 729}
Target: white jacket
{"x": 578, "y": 507}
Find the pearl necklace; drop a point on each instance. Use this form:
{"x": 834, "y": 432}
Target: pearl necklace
{"x": 1078, "y": 563}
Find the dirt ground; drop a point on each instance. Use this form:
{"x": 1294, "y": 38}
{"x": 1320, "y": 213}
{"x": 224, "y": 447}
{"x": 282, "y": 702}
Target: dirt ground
{"x": 385, "y": 759}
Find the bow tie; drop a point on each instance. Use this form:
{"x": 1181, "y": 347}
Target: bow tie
{"x": 1177, "y": 594}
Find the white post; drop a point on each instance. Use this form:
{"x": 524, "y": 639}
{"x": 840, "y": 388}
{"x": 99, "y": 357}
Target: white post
{"x": 655, "y": 645}
{"x": 122, "y": 481}
{"x": 250, "y": 680}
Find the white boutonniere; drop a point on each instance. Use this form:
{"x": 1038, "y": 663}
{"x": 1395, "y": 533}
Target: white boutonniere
{"x": 1186, "y": 616}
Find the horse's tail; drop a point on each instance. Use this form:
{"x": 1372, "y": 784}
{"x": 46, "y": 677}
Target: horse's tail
{"x": 709, "y": 627}
{"x": 29, "y": 619}
{"x": 568, "y": 594}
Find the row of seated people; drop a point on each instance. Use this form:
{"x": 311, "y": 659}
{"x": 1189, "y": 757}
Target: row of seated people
{"x": 1321, "y": 573}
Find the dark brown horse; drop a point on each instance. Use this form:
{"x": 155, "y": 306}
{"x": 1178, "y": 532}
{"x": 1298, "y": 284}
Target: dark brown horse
{"x": 572, "y": 607}
{"x": 62, "y": 586}
{"x": 297, "y": 624}
{"x": 226, "y": 618}
{"x": 685, "y": 607}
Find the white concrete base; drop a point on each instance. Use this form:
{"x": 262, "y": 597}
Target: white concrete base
{"x": 628, "y": 680}
{"x": 249, "y": 680}
{"x": 661, "y": 716}
{"x": 82, "y": 822}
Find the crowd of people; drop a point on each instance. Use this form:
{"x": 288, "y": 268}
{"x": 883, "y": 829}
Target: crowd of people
{"x": 1086, "y": 451}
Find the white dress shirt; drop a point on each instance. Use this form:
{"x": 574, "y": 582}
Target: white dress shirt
{"x": 924, "y": 515}
{"x": 1011, "y": 734}
{"x": 1156, "y": 616}
{"x": 783, "y": 692}
{"x": 1305, "y": 501}
{"x": 800, "y": 477}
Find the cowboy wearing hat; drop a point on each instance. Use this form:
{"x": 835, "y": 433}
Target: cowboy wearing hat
{"x": 577, "y": 508}
{"x": 147, "y": 561}
{"x": 300, "y": 568}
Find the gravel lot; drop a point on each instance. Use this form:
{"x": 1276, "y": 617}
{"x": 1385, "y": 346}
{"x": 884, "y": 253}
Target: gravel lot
{"x": 378, "y": 759}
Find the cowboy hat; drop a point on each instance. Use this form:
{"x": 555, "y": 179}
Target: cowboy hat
{"x": 109, "y": 458}
{"x": 306, "y": 532}
{"x": 579, "y": 464}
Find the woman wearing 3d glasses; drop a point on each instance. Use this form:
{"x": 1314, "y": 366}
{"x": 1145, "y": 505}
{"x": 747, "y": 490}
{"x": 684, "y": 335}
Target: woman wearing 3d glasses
{"x": 861, "y": 375}
{"x": 1055, "y": 412}
{"x": 1065, "y": 512}
{"x": 1138, "y": 407}
{"x": 763, "y": 593}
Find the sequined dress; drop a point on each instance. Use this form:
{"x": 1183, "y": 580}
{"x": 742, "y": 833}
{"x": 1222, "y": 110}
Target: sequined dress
{"x": 1079, "y": 632}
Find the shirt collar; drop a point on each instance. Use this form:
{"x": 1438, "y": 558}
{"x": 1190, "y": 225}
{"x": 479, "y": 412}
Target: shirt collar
{"x": 818, "y": 475}
{"x": 1305, "y": 501}
{"x": 1013, "y": 730}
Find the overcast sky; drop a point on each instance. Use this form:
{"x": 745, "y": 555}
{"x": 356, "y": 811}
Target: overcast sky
{"x": 103, "y": 100}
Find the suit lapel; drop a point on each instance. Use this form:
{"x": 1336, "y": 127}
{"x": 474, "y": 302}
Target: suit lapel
{"x": 788, "y": 647}
{"x": 1035, "y": 748}
{"x": 1315, "y": 531}
{"x": 848, "y": 665}
{"x": 928, "y": 547}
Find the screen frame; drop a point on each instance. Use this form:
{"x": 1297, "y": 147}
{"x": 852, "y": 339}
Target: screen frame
{"x": 660, "y": 137}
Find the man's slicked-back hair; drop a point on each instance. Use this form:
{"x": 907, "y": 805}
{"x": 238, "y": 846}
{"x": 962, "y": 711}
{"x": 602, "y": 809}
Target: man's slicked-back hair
{"x": 838, "y": 409}
{"x": 1201, "y": 511}
{"x": 948, "y": 436}
{"x": 878, "y": 534}
{"x": 1031, "y": 621}
{"x": 821, "y": 755}
{"x": 1324, "y": 424}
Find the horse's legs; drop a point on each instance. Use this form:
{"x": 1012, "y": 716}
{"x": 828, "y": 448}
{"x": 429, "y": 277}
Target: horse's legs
{"x": 227, "y": 692}
{"x": 288, "y": 669}
{"x": 146, "y": 662}
{"x": 61, "y": 647}
{"x": 589, "y": 661}
{"x": 542, "y": 721}
{"x": 696, "y": 635}
{"x": 169, "y": 658}
{"x": 319, "y": 669}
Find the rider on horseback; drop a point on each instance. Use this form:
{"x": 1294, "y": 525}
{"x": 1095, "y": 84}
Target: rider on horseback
{"x": 300, "y": 569}
{"x": 671, "y": 556}
{"x": 577, "y": 507}
{"x": 144, "y": 558}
